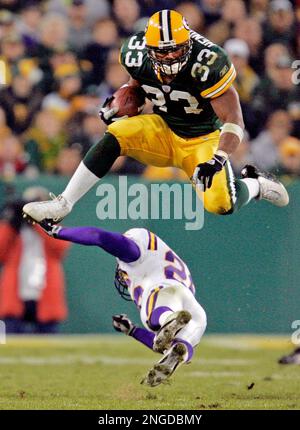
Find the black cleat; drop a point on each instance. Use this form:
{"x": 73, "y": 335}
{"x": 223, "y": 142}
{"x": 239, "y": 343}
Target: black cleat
{"x": 164, "y": 369}
{"x": 293, "y": 358}
{"x": 164, "y": 337}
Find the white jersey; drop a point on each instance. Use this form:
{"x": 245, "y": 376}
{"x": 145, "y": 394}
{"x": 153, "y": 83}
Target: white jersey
{"x": 157, "y": 267}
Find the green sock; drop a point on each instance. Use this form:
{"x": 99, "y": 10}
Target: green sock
{"x": 242, "y": 195}
{"x": 102, "y": 155}
{"x": 238, "y": 190}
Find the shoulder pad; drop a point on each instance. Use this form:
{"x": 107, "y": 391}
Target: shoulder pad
{"x": 212, "y": 69}
{"x": 201, "y": 41}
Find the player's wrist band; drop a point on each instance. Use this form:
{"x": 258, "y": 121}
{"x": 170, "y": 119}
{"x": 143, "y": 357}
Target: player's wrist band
{"x": 131, "y": 330}
{"x": 229, "y": 127}
{"x": 222, "y": 154}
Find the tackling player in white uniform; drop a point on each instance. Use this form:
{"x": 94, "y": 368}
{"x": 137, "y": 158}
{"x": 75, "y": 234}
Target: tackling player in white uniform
{"x": 154, "y": 277}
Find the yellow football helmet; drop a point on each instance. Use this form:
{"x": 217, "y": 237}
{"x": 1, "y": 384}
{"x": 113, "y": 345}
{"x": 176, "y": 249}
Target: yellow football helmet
{"x": 167, "y": 32}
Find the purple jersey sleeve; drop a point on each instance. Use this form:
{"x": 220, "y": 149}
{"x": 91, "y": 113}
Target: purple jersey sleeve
{"x": 115, "y": 244}
{"x": 144, "y": 336}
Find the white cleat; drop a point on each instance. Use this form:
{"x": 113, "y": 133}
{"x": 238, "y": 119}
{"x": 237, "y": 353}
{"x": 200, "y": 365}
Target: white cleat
{"x": 270, "y": 188}
{"x": 164, "y": 369}
{"x": 53, "y": 210}
{"x": 273, "y": 192}
{"x": 168, "y": 331}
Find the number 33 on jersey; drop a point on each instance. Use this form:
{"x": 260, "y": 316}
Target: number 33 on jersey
{"x": 184, "y": 103}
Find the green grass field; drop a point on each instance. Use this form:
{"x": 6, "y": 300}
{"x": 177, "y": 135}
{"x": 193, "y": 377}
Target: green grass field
{"x": 104, "y": 372}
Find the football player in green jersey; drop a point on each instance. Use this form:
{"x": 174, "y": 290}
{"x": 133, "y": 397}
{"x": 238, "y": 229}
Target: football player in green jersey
{"x": 195, "y": 125}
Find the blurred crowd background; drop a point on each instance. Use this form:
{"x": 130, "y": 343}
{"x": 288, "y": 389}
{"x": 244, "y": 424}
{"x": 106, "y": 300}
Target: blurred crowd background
{"x": 60, "y": 60}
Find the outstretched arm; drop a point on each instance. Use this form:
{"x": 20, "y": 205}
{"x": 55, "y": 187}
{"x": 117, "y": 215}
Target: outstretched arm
{"x": 115, "y": 244}
{"x": 227, "y": 107}
{"x": 122, "y": 324}
{"x": 144, "y": 336}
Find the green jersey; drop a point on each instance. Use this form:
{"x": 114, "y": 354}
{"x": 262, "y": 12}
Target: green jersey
{"x": 184, "y": 103}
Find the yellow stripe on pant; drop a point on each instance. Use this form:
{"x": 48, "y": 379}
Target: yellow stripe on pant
{"x": 151, "y": 302}
{"x": 153, "y": 243}
{"x": 148, "y": 139}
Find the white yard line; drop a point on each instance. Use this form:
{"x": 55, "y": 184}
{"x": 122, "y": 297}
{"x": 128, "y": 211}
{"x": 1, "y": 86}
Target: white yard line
{"x": 110, "y": 360}
{"x": 249, "y": 342}
{"x": 202, "y": 374}
{"x": 225, "y": 361}
{"x": 285, "y": 376}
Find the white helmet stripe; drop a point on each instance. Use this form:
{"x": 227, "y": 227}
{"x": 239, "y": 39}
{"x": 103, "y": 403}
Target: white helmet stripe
{"x": 165, "y": 25}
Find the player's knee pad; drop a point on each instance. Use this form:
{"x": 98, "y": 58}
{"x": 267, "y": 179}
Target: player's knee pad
{"x": 170, "y": 296}
{"x": 200, "y": 318}
{"x": 194, "y": 330}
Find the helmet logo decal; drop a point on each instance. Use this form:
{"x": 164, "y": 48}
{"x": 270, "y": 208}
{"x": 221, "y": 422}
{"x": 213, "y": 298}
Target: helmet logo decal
{"x": 185, "y": 23}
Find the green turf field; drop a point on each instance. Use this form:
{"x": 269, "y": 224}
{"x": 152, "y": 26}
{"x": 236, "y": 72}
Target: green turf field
{"x": 104, "y": 372}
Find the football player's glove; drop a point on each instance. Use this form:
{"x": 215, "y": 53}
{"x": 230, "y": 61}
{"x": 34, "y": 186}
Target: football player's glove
{"x": 205, "y": 172}
{"x": 107, "y": 113}
{"x": 122, "y": 324}
{"x": 51, "y": 229}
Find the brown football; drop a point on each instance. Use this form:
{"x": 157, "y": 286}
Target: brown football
{"x": 128, "y": 100}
